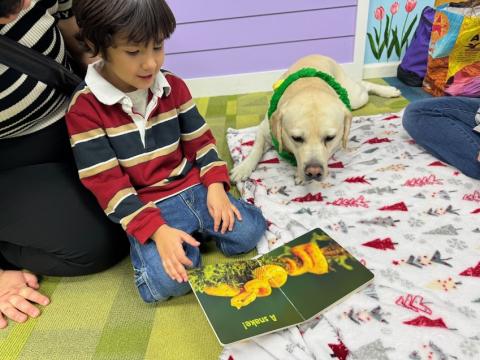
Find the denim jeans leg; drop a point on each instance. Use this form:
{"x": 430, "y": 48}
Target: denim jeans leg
{"x": 245, "y": 234}
{"x": 153, "y": 283}
{"x": 444, "y": 127}
{"x": 151, "y": 279}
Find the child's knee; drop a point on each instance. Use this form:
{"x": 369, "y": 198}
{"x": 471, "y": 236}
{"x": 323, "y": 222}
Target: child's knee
{"x": 258, "y": 229}
{"x": 155, "y": 291}
{"x": 253, "y": 237}
{"x": 249, "y": 230}
{"x": 256, "y": 223}
{"x": 155, "y": 285}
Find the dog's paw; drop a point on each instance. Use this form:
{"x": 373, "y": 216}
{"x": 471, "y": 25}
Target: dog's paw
{"x": 241, "y": 172}
{"x": 299, "y": 180}
{"x": 390, "y": 91}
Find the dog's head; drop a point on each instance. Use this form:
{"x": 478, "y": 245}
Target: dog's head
{"x": 311, "y": 125}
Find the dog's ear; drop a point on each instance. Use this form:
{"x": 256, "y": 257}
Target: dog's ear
{"x": 276, "y": 127}
{"x": 347, "y": 123}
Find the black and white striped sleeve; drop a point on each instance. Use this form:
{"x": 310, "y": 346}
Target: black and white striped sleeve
{"x": 64, "y": 9}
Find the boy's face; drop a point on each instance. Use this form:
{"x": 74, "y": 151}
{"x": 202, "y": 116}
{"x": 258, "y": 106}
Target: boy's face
{"x": 131, "y": 67}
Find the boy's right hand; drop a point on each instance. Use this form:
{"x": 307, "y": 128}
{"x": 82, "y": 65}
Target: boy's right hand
{"x": 169, "y": 243}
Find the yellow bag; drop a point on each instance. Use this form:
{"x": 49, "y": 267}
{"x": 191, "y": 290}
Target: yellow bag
{"x": 454, "y": 53}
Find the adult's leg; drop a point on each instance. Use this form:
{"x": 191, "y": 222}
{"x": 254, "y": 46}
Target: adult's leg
{"x": 50, "y": 224}
{"x": 444, "y": 127}
{"x": 53, "y": 226}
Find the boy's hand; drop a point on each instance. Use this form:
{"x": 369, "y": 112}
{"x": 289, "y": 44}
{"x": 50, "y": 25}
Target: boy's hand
{"x": 18, "y": 293}
{"x": 221, "y": 209}
{"x": 169, "y": 245}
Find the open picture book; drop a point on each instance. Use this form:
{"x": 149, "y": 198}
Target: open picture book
{"x": 284, "y": 287}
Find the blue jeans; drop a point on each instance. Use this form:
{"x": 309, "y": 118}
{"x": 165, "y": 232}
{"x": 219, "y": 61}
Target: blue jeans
{"x": 188, "y": 211}
{"x": 444, "y": 127}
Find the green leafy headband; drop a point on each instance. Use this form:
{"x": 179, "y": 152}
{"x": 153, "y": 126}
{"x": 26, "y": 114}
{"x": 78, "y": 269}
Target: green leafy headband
{"x": 279, "y": 89}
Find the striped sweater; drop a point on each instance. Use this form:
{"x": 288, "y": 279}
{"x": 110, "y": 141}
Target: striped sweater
{"x": 128, "y": 176}
{"x": 26, "y": 104}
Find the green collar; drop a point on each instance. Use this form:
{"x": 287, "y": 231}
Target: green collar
{"x": 280, "y": 89}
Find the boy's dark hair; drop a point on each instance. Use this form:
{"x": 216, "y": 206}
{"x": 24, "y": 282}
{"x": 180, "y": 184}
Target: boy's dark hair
{"x": 139, "y": 21}
{"x": 9, "y": 7}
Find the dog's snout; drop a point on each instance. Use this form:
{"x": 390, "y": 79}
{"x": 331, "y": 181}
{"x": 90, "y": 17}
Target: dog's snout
{"x": 314, "y": 171}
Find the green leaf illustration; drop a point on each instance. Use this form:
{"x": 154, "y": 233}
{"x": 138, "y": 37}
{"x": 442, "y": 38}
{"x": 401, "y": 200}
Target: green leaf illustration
{"x": 377, "y": 36}
{"x": 386, "y": 34}
{"x": 372, "y": 46}
{"x": 409, "y": 30}
{"x": 398, "y": 48}
{"x": 394, "y": 45}
{"x": 380, "y": 50}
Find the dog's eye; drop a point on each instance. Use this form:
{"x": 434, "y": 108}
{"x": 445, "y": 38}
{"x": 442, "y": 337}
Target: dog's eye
{"x": 329, "y": 138}
{"x": 298, "y": 139}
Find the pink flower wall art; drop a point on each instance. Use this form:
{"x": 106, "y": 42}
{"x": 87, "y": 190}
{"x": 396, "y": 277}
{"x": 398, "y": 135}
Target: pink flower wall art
{"x": 387, "y": 36}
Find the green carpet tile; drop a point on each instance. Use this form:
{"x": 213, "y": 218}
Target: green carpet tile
{"x": 102, "y": 317}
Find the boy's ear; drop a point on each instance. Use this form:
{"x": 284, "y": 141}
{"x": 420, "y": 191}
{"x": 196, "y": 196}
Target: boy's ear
{"x": 91, "y": 47}
{"x": 347, "y": 123}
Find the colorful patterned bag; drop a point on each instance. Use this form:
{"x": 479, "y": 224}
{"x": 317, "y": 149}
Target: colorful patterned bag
{"x": 454, "y": 52}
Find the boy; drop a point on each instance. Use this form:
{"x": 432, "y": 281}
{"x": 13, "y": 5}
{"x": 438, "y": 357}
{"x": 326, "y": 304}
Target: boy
{"x": 145, "y": 152}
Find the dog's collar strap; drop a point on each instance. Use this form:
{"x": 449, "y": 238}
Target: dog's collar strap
{"x": 280, "y": 88}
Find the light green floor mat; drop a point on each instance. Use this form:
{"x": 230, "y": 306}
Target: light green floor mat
{"x": 102, "y": 317}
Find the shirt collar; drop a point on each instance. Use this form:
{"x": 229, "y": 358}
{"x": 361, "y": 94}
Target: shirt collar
{"x": 108, "y": 94}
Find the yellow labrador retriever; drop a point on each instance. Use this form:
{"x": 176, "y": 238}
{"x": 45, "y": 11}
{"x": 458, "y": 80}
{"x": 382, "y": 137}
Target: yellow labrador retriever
{"x": 310, "y": 120}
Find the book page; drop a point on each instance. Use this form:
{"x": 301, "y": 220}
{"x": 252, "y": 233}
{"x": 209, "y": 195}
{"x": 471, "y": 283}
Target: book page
{"x": 239, "y": 303}
{"x": 321, "y": 272}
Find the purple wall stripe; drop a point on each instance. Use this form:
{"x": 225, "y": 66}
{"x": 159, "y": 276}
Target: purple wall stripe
{"x": 268, "y": 29}
{"x": 256, "y": 58}
{"x": 219, "y": 37}
{"x": 202, "y": 10}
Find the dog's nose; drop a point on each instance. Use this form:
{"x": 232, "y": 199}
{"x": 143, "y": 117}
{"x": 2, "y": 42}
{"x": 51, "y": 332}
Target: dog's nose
{"x": 314, "y": 171}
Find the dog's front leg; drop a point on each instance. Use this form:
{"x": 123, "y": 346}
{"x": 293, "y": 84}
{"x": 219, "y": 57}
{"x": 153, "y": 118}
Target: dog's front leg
{"x": 299, "y": 177}
{"x": 263, "y": 142}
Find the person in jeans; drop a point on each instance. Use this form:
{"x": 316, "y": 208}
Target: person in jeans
{"x": 49, "y": 223}
{"x": 449, "y": 129}
{"x": 145, "y": 152}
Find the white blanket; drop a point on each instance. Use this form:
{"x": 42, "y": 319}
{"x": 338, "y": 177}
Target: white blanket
{"x": 411, "y": 219}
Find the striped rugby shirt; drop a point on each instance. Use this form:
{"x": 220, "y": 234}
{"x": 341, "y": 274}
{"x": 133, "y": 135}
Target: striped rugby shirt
{"x": 128, "y": 176}
{"x": 28, "y": 105}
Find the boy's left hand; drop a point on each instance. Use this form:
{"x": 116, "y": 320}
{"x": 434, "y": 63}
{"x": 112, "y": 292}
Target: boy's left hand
{"x": 221, "y": 209}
